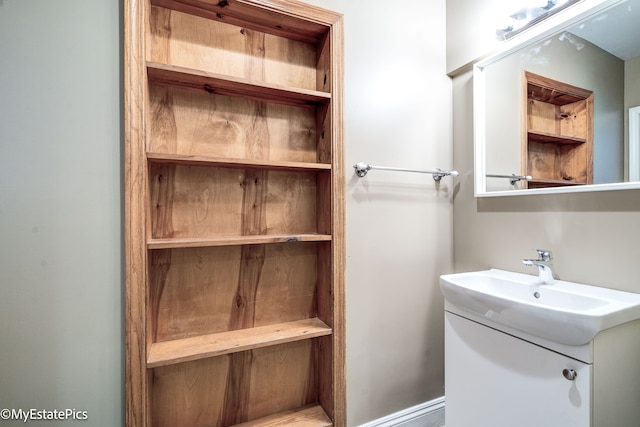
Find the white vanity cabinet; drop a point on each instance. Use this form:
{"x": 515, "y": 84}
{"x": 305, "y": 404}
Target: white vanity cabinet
{"x": 499, "y": 377}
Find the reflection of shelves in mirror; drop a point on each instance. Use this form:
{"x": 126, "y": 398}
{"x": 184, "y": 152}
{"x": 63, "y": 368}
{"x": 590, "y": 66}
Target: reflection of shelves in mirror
{"x": 557, "y": 147}
{"x": 549, "y": 138}
{"x": 543, "y": 183}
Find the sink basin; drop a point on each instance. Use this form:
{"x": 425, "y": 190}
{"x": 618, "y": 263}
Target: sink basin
{"x": 564, "y": 312}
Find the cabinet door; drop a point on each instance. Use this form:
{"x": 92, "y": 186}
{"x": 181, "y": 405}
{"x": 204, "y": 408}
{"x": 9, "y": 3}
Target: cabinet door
{"x": 496, "y": 380}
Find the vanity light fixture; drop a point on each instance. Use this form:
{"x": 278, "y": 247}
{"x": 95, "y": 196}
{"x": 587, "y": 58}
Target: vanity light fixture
{"x": 528, "y": 13}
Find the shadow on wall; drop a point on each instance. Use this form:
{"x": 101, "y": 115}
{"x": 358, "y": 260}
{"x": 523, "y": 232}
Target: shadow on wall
{"x": 365, "y": 190}
{"x": 605, "y": 201}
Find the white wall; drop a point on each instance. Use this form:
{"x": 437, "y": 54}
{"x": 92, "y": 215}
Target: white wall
{"x": 61, "y": 306}
{"x": 61, "y": 314}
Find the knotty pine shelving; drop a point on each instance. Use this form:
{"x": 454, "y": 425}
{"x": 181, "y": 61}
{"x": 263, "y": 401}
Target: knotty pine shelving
{"x": 234, "y": 214}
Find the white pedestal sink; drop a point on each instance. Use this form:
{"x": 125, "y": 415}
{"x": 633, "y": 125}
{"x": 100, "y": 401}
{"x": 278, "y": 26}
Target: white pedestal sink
{"x": 564, "y": 312}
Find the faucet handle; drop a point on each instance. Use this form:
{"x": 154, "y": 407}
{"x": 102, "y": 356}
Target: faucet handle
{"x": 544, "y": 255}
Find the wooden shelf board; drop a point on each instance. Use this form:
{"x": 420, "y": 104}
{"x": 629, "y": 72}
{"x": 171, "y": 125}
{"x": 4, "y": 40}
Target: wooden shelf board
{"x": 551, "y": 95}
{"x": 550, "y": 91}
{"x": 543, "y": 137}
{"x": 553, "y": 182}
{"x": 309, "y": 416}
{"x": 200, "y": 242}
{"x": 189, "y": 78}
{"x": 211, "y": 345}
{"x": 185, "y": 159}
{"x": 263, "y": 19}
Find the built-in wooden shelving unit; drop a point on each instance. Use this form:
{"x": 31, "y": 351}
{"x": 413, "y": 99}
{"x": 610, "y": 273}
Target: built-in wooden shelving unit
{"x": 234, "y": 214}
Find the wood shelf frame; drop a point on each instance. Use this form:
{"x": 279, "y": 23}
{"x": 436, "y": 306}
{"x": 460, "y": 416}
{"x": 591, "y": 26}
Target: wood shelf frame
{"x": 211, "y": 86}
{"x": 211, "y": 345}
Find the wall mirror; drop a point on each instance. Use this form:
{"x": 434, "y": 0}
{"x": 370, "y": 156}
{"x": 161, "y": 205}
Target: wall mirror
{"x": 559, "y": 110}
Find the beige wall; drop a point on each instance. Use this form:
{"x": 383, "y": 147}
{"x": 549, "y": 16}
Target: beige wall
{"x": 593, "y": 236}
{"x": 466, "y": 17}
{"x": 398, "y": 113}
{"x": 631, "y": 73}
{"x": 631, "y": 97}
{"x": 61, "y": 312}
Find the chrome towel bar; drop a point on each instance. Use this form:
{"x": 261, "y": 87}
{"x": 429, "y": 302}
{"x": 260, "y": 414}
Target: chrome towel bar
{"x": 513, "y": 178}
{"x": 363, "y": 168}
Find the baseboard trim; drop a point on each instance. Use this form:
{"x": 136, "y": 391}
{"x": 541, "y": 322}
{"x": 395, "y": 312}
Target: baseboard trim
{"x": 427, "y": 414}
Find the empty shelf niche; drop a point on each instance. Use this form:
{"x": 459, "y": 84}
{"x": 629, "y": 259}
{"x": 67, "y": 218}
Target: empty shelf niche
{"x": 276, "y": 382}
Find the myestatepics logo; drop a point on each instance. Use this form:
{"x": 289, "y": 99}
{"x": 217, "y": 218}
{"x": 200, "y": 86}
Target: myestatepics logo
{"x": 43, "y": 414}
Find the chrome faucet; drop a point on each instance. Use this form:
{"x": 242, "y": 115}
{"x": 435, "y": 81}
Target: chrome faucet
{"x": 544, "y": 266}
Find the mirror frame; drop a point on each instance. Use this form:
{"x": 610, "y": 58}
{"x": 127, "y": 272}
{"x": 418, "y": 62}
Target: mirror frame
{"x": 563, "y": 20}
